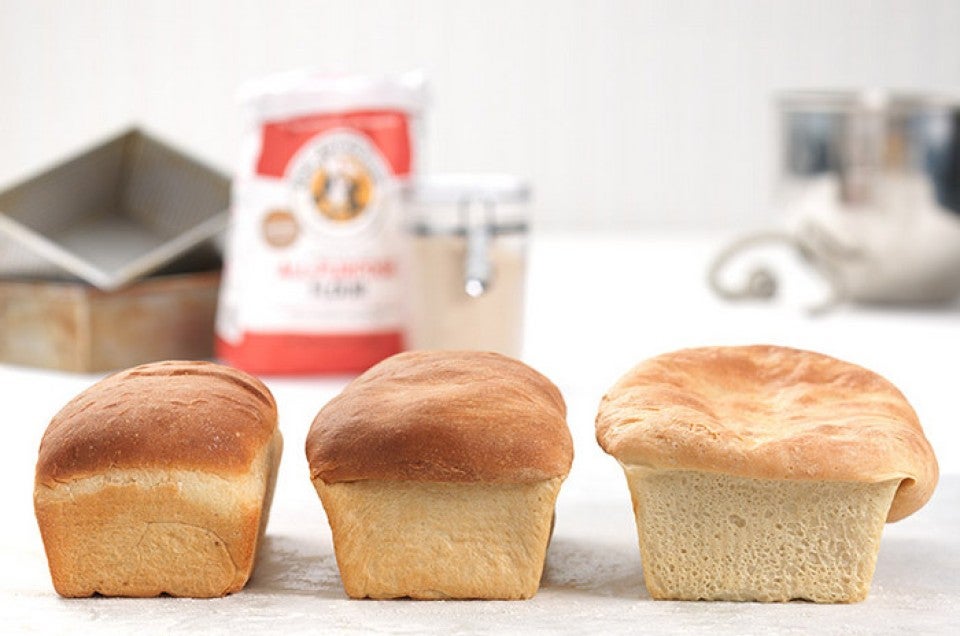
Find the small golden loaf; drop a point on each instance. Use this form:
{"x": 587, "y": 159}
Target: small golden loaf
{"x": 439, "y": 471}
{"x": 158, "y": 479}
{"x": 763, "y": 473}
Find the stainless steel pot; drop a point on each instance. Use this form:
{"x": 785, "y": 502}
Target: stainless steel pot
{"x": 870, "y": 191}
{"x": 864, "y": 138}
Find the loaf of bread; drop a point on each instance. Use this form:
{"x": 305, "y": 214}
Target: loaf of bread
{"x": 763, "y": 473}
{"x": 439, "y": 472}
{"x": 158, "y": 479}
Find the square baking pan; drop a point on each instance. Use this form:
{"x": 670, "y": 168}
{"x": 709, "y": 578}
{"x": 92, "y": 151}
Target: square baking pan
{"x": 111, "y": 215}
{"x": 73, "y": 326}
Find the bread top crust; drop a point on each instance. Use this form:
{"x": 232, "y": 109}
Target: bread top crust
{"x": 444, "y": 416}
{"x": 173, "y": 415}
{"x": 768, "y": 412}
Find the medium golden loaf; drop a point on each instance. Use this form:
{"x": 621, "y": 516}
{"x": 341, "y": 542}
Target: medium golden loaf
{"x": 769, "y": 412}
{"x": 158, "y": 479}
{"x": 439, "y": 472}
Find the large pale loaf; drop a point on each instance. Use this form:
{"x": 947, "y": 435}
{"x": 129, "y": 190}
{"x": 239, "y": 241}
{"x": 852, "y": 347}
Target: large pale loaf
{"x": 763, "y": 472}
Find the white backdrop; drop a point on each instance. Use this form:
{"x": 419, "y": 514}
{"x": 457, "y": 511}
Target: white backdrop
{"x": 627, "y": 115}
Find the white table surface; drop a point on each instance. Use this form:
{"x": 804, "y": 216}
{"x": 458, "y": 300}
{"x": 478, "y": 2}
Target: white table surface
{"x": 596, "y": 306}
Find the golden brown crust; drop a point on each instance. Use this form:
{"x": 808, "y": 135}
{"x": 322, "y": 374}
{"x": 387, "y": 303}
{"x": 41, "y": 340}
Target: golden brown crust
{"x": 185, "y": 415}
{"x": 768, "y": 412}
{"x": 444, "y": 416}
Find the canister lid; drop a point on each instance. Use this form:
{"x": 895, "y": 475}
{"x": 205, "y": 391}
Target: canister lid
{"x": 460, "y": 188}
{"x": 874, "y": 99}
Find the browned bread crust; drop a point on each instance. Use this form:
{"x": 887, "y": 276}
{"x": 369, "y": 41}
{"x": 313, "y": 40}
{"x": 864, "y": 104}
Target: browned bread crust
{"x": 443, "y": 416}
{"x": 768, "y": 412}
{"x": 175, "y": 414}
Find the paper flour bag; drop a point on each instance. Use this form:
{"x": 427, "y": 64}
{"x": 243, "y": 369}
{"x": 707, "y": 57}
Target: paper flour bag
{"x": 311, "y": 281}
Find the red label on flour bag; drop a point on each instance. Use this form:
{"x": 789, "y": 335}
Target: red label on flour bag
{"x": 311, "y": 281}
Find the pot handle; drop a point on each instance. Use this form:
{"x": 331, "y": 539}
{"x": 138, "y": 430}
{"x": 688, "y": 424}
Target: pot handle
{"x": 761, "y": 282}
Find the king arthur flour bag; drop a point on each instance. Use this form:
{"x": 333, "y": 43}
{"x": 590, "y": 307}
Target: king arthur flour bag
{"x": 311, "y": 281}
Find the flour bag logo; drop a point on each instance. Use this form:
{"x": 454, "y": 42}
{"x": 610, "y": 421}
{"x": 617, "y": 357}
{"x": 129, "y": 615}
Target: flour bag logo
{"x": 337, "y": 180}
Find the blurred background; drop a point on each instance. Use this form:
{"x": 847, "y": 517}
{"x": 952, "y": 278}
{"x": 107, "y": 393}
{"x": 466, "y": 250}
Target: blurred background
{"x": 625, "y": 114}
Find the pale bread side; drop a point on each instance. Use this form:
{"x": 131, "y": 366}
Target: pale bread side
{"x": 707, "y": 536}
{"x": 440, "y": 540}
